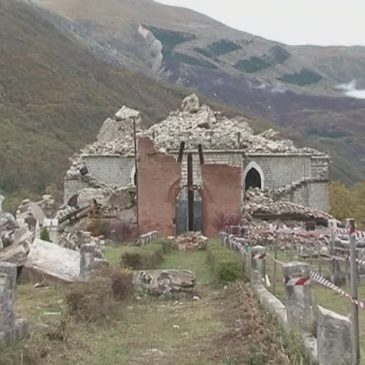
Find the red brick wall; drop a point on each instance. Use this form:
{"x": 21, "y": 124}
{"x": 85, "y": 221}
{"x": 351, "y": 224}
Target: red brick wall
{"x": 158, "y": 183}
{"x": 221, "y": 194}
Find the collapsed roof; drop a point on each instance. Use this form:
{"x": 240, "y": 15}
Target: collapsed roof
{"x": 194, "y": 124}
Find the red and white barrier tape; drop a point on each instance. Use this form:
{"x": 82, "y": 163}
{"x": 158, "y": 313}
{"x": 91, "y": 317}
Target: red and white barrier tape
{"x": 260, "y": 256}
{"x": 296, "y": 281}
{"x": 322, "y": 281}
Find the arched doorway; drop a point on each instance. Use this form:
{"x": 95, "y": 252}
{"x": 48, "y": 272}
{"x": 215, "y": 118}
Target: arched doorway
{"x": 253, "y": 179}
{"x": 182, "y": 211}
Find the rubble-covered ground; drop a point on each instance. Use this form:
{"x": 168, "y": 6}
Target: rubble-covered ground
{"x": 219, "y": 326}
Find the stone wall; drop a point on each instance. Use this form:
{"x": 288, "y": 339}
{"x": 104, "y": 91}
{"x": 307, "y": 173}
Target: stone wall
{"x": 319, "y": 195}
{"x": 281, "y": 170}
{"x": 72, "y": 187}
{"x": 110, "y": 169}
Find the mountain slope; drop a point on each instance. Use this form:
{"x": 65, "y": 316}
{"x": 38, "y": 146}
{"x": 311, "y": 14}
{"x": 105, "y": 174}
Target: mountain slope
{"x": 54, "y": 96}
{"x": 293, "y": 86}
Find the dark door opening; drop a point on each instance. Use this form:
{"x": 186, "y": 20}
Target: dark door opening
{"x": 182, "y": 212}
{"x": 253, "y": 179}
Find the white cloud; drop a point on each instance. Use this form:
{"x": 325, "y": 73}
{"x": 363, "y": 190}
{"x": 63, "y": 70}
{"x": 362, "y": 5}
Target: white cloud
{"x": 351, "y": 90}
{"x": 322, "y": 22}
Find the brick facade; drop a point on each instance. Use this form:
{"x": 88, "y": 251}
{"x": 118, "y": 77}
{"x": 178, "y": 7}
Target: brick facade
{"x": 221, "y": 194}
{"x": 158, "y": 184}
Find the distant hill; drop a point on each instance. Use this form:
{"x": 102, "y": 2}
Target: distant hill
{"x": 55, "y": 95}
{"x": 295, "y": 86}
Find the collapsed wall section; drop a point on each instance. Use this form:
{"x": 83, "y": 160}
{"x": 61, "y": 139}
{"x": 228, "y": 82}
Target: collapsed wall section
{"x": 158, "y": 182}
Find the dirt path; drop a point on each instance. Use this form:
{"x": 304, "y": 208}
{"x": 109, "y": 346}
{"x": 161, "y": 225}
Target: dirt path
{"x": 223, "y": 326}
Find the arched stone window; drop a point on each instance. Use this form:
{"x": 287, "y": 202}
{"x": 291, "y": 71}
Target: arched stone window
{"x": 253, "y": 176}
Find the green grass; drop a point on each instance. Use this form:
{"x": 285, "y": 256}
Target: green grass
{"x": 225, "y": 263}
{"x": 143, "y": 330}
{"x": 195, "y": 262}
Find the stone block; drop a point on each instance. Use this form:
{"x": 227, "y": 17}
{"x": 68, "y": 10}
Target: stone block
{"x": 298, "y": 296}
{"x": 87, "y": 261}
{"x": 334, "y": 338}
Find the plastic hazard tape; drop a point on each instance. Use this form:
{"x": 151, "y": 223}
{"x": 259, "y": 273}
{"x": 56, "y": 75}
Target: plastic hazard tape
{"x": 260, "y": 256}
{"x": 322, "y": 281}
{"x": 296, "y": 281}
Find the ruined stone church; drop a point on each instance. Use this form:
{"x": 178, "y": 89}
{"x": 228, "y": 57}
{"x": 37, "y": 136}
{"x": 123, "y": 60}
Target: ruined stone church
{"x": 196, "y": 166}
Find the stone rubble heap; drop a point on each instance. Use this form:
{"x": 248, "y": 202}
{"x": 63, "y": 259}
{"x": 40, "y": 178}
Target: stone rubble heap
{"x": 15, "y": 238}
{"x": 262, "y": 204}
{"x": 116, "y": 136}
{"x": 194, "y": 124}
{"x": 192, "y": 241}
{"x": 164, "y": 282}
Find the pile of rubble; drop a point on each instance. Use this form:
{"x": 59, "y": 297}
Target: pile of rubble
{"x": 164, "y": 282}
{"x": 116, "y": 136}
{"x": 262, "y": 204}
{"x": 194, "y": 124}
{"x": 15, "y": 238}
{"x": 192, "y": 241}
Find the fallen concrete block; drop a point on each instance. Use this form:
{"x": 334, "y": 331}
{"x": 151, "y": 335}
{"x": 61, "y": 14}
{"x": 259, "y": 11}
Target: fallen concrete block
{"x": 48, "y": 261}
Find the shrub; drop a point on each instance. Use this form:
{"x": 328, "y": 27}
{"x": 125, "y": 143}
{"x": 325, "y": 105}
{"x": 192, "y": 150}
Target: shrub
{"x": 122, "y": 284}
{"x": 44, "y": 236}
{"x": 99, "y": 227}
{"x": 226, "y": 264}
{"x": 92, "y": 300}
{"x": 139, "y": 258}
{"x": 167, "y": 245}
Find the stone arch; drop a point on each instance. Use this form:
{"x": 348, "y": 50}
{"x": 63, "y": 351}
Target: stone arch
{"x": 253, "y": 176}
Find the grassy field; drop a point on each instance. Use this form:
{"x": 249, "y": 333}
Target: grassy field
{"x": 221, "y": 326}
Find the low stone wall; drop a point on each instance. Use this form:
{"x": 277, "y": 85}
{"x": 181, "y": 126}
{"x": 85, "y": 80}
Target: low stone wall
{"x": 146, "y": 238}
{"x": 332, "y": 345}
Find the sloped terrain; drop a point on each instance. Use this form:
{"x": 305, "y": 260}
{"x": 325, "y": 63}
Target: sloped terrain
{"x": 292, "y": 86}
{"x": 54, "y": 96}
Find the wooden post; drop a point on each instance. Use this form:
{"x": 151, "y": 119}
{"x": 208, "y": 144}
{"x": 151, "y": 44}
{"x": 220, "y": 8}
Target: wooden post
{"x": 355, "y": 308}
{"x": 275, "y": 256}
{"x": 332, "y": 242}
{"x": 291, "y": 247}
{"x": 190, "y": 193}
{"x": 181, "y": 152}
{"x": 136, "y": 168}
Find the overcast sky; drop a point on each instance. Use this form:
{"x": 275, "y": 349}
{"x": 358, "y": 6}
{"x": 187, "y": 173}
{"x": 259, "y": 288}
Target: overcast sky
{"x": 322, "y": 22}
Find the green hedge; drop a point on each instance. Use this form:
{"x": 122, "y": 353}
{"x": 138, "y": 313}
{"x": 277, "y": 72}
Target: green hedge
{"x": 226, "y": 264}
{"x": 143, "y": 258}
